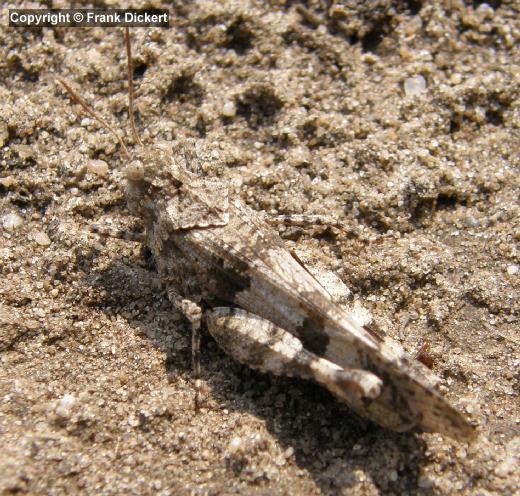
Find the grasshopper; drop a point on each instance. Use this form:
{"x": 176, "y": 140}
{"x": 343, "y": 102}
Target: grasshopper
{"x": 225, "y": 266}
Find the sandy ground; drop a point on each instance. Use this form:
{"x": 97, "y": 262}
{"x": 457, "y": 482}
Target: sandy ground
{"x": 400, "y": 120}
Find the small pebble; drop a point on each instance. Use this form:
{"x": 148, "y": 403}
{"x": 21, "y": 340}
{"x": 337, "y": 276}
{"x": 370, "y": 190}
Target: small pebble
{"x": 298, "y": 156}
{"x": 98, "y": 167}
{"x": 229, "y": 109}
{"x": 472, "y": 408}
{"x": 7, "y": 182}
{"x": 425, "y": 482}
{"x": 133, "y": 421}
{"x": 24, "y": 151}
{"x": 471, "y": 221}
{"x": 31, "y": 324}
{"x": 414, "y": 86}
{"x": 485, "y": 10}
{"x": 235, "y": 445}
{"x": 42, "y": 239}
{"x": 12, "y": 221}
{"x": 504, "y": 468}
{"x": 455, "y": 78}
{"x": 513, "y": 269}
{"x": 65, "y": 405}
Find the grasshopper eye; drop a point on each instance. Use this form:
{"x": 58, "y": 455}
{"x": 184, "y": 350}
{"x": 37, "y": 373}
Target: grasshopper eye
{"x": 135, "y": 171}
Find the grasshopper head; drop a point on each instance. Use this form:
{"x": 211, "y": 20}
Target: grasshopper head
{"x": 150, "y": 181}
{"x": 169, "y": 186}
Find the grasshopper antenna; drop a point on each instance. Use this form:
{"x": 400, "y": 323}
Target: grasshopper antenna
{"x": 90, "y": 111}
{"x": 131, "y": 87}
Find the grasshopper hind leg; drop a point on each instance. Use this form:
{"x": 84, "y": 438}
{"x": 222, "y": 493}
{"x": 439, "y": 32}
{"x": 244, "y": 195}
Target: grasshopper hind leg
{"x": 261, "y": 345}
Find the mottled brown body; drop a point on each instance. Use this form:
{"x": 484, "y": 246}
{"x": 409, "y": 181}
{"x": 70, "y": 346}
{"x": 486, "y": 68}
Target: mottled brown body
{"x": 213, "y": 250}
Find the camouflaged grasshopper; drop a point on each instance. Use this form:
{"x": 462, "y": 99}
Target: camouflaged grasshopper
{"x": 225, "y": 266}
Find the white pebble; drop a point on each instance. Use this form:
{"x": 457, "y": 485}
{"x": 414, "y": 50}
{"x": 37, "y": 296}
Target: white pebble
{"x": 98, "y": 167}
{"x": 425, "y": 482}
{"x": 12, "y": 221}
{"x": 513, "y": 269}
{"x": 42, "y": 239}
{"x": 8, "y": 181}
{"x": 456, "y": 78}
{"x": 65, "y": 405}
{"x": 235, "y": 445}
{"x": 67, "y": 400}
{"x": 414, "y": 86}
{"x": 299, "y": 156}
{"x": 486, "y": 10}
{"x": 229, "y": 109}
{"x": 133, "y": 421}
{"x": 24, "y": 151}
{"x": 472, "y": 221}
{"x": 504, "y": 468}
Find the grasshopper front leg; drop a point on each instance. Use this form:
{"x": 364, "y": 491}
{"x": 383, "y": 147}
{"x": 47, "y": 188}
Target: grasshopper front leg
{"x": 193, "y": 313}
{"x": 263, "y": 346}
